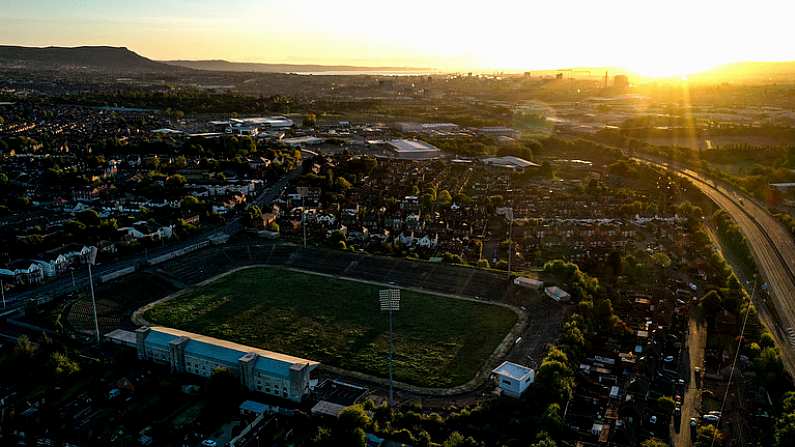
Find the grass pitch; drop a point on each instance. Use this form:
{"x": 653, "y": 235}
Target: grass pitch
{"x": 439, "y": 341}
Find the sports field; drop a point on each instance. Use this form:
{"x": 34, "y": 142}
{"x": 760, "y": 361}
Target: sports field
{"x": 439, "y": 341}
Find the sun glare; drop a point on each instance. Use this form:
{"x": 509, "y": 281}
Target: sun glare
{"x": 666, "y": 69}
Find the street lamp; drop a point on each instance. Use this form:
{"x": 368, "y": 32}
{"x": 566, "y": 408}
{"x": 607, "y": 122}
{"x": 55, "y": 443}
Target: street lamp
{"x": 91, "y": 259}
{"x": 390, "y": 301}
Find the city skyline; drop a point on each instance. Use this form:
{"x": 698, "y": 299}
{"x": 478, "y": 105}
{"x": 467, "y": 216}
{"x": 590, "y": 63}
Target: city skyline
{"x": 675, "y": 38}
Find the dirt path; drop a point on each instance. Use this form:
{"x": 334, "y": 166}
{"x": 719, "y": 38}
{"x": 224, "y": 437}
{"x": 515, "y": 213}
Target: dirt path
{"x": 691, "y": 401}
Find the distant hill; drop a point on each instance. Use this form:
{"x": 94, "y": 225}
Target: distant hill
{"x": 103, "y": 58}
{"x": 222, "y": 65}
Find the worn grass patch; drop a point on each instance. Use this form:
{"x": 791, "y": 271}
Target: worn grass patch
{"x": 439, "y": 341}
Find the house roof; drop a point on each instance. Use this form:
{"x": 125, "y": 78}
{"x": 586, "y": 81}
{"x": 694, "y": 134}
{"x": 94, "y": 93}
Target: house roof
{"x": 513, "y": 371}
{"x": 253, "y": 406}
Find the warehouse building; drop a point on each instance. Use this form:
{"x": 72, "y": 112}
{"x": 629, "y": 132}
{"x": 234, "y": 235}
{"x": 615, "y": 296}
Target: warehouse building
{"x": 413, "y": 149}
{"x": 268, "y": 372}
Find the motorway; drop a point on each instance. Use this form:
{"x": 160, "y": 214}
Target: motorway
{"x": 65, "y": 284}
{"x": 773, "y": 249}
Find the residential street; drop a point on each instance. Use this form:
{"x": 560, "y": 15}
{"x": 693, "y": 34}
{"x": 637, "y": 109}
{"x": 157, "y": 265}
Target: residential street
{"x": 696, "y": 343}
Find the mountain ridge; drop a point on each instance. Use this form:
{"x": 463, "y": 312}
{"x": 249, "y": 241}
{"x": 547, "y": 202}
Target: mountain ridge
{"x": 258, "y": 67}
{"x": 114, "y": 59}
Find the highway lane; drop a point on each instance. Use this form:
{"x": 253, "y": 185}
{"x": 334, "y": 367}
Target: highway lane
{"x": 773, "y": 249}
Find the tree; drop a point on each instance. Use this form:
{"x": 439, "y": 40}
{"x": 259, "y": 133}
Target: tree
{"x": 89, "y": 218}
{"x": 351, "y": 423}
{"x": 552, "y": 420}
{"x": 785, "y": 430}
{"x": 63, "y": 366}
{"x": 176, "y": 183}
{"x": 711, "y": 302}
{"x": 615, "y": 263}
{"x": 572, "y": 338}
{"x": 343, "y": 183}
{"x": 74, "y": 227}
{"x": 555, "y": 376}
{"x": 189, "y": 204}
{"x": 653, "y": 442}
{"x": 543, "y": 439}
{"x": 768, "y": 365}
{"x": 706, "y": 434}
{"x": 661, "y": 260}
{"x": 353, "y": 417}
{"x": 666, "y": 405}
{"x": 253, "y": 216}
{"x": 310, "y": 120}
{"x": 24, "y": 350}
{"x": 456, "y": 439}
{"x": 444, "y": 198}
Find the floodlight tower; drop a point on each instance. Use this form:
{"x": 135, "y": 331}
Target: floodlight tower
{"x": 91, "y": 260}
{"x": 390, "y": 301}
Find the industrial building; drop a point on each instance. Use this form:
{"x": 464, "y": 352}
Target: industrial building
{"x": 510, "y": 162}
{"x": 268, "y": 372}
{"x": 252, "y": 126}
{"x": 413, "y": 149}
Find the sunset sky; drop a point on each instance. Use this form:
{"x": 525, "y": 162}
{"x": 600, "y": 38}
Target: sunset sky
{"x": 653, "y": 37}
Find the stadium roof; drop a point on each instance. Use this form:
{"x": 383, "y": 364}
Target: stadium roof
{"x": 222, "y": 349}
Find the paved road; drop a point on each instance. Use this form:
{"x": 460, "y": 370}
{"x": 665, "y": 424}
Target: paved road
{"x": 66, "y": 284}
{"x": 774, "y": 250}
{"x": 691, "y": 401}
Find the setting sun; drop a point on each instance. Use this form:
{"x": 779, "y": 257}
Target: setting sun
{"x": 670, "y": 39}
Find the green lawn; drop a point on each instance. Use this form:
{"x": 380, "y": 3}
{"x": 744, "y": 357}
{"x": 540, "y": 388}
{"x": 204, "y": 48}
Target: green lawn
{"x": 439, "y": 341}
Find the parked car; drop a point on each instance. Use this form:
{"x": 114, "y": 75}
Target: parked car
{"x": 710, "y": 418}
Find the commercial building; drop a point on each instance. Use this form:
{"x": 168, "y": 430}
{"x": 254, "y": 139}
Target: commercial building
{"x": 513, "y": 379}
{"x": 251, "y": 126}
{"x": 499, "y": 132}
{"x": 268, "y": 372}
{"x": 408, "y": 127}
{"x": 510, "y": 162}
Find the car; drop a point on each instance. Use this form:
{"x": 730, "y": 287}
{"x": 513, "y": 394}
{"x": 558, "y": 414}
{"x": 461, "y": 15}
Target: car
{"x": 678, "y": 411}
{"x": 693, "y": 422}
{"x": 653, "y": 420}
{"x": 710, "y": 418}
{"x": 209, "y": 443}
